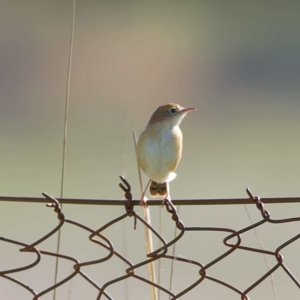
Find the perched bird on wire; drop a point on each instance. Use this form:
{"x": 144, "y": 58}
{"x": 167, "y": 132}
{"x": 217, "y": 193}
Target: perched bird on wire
{"x": 159, "y": 149}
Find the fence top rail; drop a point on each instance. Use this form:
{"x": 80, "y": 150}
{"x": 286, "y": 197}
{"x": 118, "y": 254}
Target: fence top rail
{"x": 234, "y": 201}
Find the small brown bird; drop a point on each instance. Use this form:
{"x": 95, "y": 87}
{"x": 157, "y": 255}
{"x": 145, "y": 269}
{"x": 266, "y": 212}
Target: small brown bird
{"x": 159, "y": 148}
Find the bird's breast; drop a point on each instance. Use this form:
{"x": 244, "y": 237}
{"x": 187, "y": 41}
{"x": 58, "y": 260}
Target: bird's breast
{"x": 159, "y": 152}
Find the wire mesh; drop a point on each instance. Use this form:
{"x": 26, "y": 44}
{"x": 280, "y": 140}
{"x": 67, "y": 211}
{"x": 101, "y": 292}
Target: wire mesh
{"x": 232, "y": 240}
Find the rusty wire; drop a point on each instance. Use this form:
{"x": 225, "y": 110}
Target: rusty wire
{"x": 233, "y": 241}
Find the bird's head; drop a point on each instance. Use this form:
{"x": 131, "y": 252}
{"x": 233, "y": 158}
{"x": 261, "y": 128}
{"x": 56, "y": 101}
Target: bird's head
{"x": 170, "y": 113}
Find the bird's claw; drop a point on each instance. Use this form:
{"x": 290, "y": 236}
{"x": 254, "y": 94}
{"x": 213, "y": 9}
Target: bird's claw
{"x": 143, "y": 202}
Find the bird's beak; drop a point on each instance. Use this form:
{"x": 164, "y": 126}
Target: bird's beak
{"x": 186, "y": 110}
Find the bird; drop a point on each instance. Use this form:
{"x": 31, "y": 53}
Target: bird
{"x": 159, "y": 149}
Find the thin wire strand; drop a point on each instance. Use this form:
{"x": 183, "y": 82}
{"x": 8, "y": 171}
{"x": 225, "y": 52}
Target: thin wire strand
{"x": 173, "y": 254}
{"x": 123, "y": 172}
{"x": 184, "y": 202}
{"x": 139, "y": 169}
{"x": 264, "y": 255}
{"x": 65, "y": 139}
{"x": 160, "y": 244}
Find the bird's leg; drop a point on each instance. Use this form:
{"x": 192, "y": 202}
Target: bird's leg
{"x": 143, "y": 201}
{"x": 168, "y": 196}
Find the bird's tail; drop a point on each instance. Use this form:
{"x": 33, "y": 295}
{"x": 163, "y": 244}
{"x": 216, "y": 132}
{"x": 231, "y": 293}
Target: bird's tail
{"x": 158, "y": 189}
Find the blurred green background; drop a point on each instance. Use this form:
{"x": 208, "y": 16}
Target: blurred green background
{"x": 237, "y": 62}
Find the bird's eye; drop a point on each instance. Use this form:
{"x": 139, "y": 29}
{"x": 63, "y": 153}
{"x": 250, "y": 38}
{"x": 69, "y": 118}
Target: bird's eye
{"x": 173, "y": 110}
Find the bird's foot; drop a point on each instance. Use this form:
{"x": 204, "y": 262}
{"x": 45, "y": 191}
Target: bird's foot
{"x": 143, "y": 202}
{"x": 165, "y": 200}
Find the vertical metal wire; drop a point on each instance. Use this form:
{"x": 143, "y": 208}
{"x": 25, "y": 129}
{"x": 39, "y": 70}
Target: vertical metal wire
{"x": 65, "y": 138}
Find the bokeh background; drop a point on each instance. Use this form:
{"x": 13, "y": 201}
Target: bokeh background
{"x": 237, "y": 62}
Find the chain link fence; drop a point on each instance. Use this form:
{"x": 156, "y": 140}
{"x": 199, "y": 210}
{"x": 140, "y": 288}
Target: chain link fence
{"x": 233, "y": 242}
